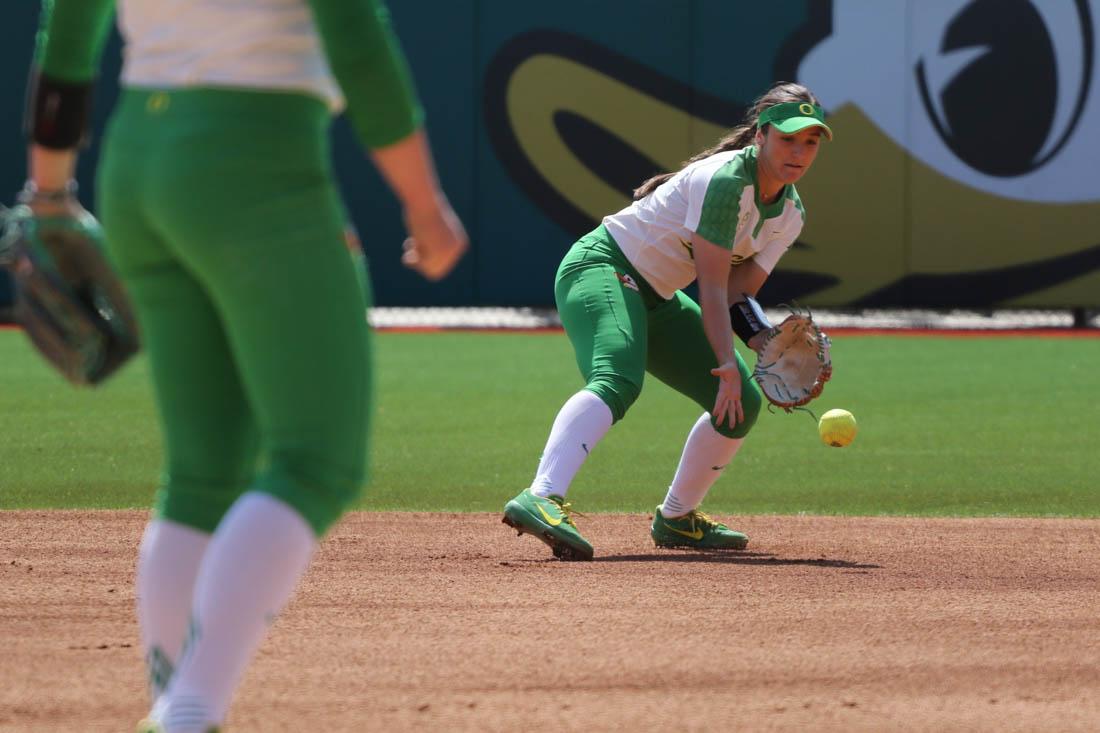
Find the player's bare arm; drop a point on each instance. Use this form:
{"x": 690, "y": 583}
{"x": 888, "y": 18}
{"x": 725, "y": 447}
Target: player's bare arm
{"x": 51, "y": 170}
{"x": 436, "y": 238}
{"x": 746, "y": 279}
{"x": 713, "y": 267}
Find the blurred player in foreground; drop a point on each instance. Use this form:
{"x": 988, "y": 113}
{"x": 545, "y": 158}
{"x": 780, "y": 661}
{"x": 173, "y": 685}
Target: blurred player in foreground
{"x": 223, "y": 220}
{"x": 724, "y": 219}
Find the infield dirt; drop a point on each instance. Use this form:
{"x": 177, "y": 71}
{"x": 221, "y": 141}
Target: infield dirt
{"x": 450, "y": 622}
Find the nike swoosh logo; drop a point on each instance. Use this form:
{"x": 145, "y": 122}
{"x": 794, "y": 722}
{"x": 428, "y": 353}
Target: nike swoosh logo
{"x": 555, "y": 522}
{"x": 696, "y": 535}
{"x": 717, "y": 468}
{"x": 585, "y": 446}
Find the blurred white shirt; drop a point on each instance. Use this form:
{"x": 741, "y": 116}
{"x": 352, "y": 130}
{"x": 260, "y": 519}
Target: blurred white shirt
{"x": 253, "y": 44}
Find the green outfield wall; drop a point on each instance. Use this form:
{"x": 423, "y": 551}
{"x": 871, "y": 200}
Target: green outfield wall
{"x": 963, "y": 173}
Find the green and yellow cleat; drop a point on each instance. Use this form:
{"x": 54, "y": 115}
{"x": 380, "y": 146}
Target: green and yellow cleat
{"x": 695, "y": 530}
{"x": 550, "y": 520}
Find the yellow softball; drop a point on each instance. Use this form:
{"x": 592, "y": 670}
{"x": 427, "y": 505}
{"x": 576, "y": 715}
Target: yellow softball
{"x": 837, "y": 428}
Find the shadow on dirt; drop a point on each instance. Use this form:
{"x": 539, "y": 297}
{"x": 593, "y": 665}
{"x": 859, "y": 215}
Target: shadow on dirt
{"x": 735, "y": 558}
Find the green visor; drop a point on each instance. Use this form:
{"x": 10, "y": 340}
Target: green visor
{"x": 790, "y": 117}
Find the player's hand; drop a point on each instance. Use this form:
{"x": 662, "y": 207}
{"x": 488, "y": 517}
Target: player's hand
{"x": 727, "y": 405}
{"x": 436, "y": 241}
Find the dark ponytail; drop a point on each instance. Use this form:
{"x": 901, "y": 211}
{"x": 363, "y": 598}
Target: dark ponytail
{"x": 740, "y": 136}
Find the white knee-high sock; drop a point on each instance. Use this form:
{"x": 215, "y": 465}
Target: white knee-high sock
{"x": 259, "y": 552}
{"x": 168, "y": 562}
{"x": 706, "y": 453}
{"x": 581, "y": 423}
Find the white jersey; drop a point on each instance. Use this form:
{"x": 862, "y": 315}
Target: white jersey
{"x": 252, "y": 44}
{"x": 716, "y": 199}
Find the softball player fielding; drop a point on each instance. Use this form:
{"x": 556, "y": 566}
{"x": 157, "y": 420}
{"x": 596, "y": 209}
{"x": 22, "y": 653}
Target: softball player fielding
{"x": 724, "y": 219}
{"x": 222, "y": 217}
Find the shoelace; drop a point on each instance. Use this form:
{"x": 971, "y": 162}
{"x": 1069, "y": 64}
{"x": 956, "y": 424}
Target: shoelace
{"x": 703, "y": 519}
{"x": 567, "y": 512}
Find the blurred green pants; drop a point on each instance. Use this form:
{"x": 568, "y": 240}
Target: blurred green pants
{"x": 223, "y": 219}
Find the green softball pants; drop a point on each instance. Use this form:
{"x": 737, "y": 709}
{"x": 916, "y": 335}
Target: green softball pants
{"x": 620, "y": 329}
{"x": 222, "y": 217}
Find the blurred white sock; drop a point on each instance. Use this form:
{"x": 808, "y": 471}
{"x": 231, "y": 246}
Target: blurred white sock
{"x": 168, "y": 562}
{"x": 261, "y": 549}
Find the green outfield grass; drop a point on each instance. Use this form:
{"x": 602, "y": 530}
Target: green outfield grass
{"x": 948, "y": 426}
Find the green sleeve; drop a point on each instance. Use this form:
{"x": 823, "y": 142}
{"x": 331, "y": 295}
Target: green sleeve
{"x": 367, "y": 61}
{"x": 722, "y": 206}
{"x": 71, "y": 34}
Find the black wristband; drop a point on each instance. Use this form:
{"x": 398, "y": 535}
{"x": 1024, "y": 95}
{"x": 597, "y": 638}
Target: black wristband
{"x": 57, "y": 112}
{"x": 748, "y": 319}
